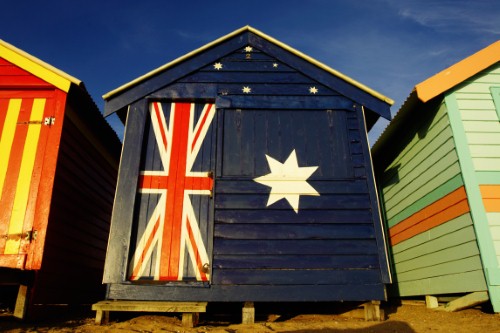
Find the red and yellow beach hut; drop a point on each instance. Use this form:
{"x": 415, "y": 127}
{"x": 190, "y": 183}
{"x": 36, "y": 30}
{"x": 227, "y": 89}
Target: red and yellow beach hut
{"x": 58, "y": 166}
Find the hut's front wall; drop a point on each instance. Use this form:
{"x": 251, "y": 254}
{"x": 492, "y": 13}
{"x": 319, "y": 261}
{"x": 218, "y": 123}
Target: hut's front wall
{"x": 433, "y": 242}
{"x": 326, "y": 246}
{"x": 476, "y": 128}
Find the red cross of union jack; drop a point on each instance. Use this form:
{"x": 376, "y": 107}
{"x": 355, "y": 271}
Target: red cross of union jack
{"x": 172, "y": 227}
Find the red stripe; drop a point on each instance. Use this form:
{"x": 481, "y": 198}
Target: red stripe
{"x": 203, "y": 121}
{"x": 160, "y": 123}
{"x": 4, "y": 105}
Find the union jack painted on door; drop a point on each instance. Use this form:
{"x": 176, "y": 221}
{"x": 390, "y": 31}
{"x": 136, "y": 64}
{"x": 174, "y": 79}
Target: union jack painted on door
{"x": 174, "y": 190}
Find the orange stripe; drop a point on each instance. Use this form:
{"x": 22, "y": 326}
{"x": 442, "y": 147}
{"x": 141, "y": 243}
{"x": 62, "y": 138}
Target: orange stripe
{"x": 445, "y": 209}
{"x": 491, "y": 197}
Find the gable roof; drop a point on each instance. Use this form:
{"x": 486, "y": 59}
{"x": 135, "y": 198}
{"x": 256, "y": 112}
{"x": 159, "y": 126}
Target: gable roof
{"x": 425, "y": 91}
{"x": 37, "y": 67}
{"x": 459, "y": 72}
{"x": 109, "y": 109}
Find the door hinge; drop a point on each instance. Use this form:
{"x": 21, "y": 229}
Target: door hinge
{"x": 47, "y": 121}
{"x": 28, "y": 236}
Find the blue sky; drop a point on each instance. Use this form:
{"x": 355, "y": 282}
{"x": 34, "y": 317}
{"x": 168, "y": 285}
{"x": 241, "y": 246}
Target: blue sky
{"x": 388, "y": 45}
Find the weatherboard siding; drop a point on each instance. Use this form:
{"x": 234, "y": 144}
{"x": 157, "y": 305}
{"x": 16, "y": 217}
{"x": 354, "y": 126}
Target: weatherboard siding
{"x": 479, "y": 112}
{"x": 433, "y": 243}
{"x": 428, "y": 161}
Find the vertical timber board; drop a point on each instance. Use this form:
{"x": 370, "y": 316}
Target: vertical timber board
{"x": 115, "y": 267}
{"x": 376, "y": 216}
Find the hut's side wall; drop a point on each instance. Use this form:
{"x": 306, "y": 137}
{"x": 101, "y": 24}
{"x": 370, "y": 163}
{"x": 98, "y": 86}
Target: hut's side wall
{"x": 80, "y": 211}
{"x": 432, "y": 239}
{"x": 475, "y": 121}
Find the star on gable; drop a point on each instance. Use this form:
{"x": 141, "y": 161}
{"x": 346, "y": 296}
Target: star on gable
{"x": 288, "y": 181}
{"x": 218, "y": 66}
{"x": 246, "y": 90}
{"x": 313, "y": 90}
{"x": 275, "y": 65}
{"x": 248, "y": 49}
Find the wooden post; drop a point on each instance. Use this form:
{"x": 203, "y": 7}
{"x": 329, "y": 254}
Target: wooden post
{"x": 21, "y": 302}
{"x": 372, "y": 311}
{"x": 431, "y": 302}
{"x": 190, "y": 319}
{"x": 248, "y": 313}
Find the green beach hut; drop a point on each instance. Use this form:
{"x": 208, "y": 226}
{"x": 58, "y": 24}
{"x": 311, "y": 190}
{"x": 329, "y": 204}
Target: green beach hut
{"x": 437, "y": 166}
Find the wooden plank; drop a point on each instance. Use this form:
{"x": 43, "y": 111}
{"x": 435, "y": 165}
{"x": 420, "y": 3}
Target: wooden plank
{"x": 247, "y": 78}
{"x": 22, "y": 301}
{"x": 121, "y": 223}
{"x": 269, "y": 247}
{"x": 441, "y": 269}
{"x": 150, "y": 306}
{"x": 447, "y": 284}
{"x": 298, "y": 261}
{"x": 345, "y": 278}
{"x": 289, "y": 216}
{"x": 324, "y": 201}
{"x": 326, "y": 186}
{"x": 479, "y": 115}
{"x": 474, "y": 125}
{"x": 475, "y": 104}
{"x": 294, "y": 231}
{"x": 442, "y": 256}
{"x": 249, "y": 293}
{"x": 486, "y": 164}
{"x": 285, "y": 102}
{"x": 467, "y": 301}
{"x": 439, "y": 234}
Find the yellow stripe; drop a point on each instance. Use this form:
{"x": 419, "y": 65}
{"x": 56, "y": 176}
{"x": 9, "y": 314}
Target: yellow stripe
{"x": 7, "y": 137}
{"x": 37, "y": 67}
{"x": 25, "y": 174}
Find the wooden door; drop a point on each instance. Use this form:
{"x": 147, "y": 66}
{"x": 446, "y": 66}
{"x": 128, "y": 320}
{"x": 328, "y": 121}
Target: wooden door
{"x": 172, "y": 225}
{"x": 29, "y": 123}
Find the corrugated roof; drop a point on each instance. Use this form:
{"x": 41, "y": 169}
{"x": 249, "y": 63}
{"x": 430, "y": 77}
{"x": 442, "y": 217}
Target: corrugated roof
{"x": 438, "y": 84}
{"x": 264, "y": 36}
{"x": 459, "y": 72}
{"x": 37, "y": 67}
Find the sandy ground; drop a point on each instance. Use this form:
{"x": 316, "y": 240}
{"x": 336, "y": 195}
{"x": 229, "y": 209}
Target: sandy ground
{"x": 406, "y": 318}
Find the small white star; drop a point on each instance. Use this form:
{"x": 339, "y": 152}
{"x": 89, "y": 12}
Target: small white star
{"x": 247, "y": 90}
{"x": 218, "y": 66}
{"x": 275, "y": 65}
{"x": 288, "y": 181}
{"x": 313, "y": 90}
{"x": 248, "y": 49}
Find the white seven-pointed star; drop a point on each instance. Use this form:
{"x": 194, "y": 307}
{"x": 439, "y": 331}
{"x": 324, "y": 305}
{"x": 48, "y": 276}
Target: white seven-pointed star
{"x": 287, "y": 180}
{"x": 218, "y": 66}
{"x": 246, "y": 90}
